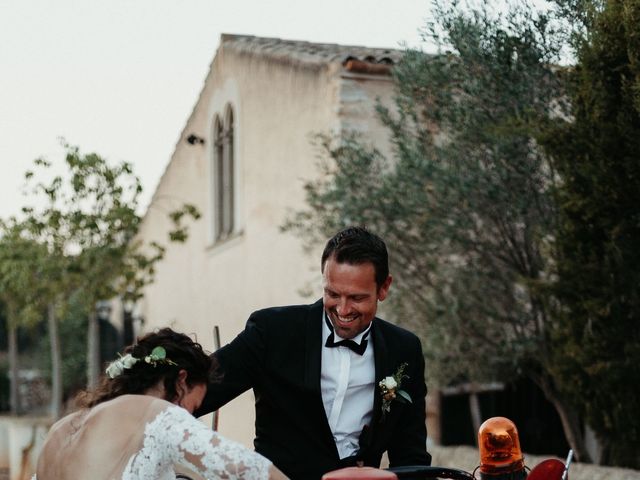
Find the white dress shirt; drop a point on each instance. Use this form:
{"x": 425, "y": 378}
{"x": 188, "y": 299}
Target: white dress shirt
{"x": 347, "y": 383}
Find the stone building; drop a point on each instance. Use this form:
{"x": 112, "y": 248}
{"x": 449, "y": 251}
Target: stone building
{"x": 242, "y": 159}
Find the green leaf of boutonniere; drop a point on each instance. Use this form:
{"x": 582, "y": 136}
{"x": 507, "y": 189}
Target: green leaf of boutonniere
{"x": 404, "y": 396}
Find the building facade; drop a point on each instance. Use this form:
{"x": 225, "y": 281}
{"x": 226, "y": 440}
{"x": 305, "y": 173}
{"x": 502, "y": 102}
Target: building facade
{"x": 242, "y": 159}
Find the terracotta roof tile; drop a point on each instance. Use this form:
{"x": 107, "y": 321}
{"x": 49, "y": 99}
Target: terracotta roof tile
{"x": 311, "y": 54}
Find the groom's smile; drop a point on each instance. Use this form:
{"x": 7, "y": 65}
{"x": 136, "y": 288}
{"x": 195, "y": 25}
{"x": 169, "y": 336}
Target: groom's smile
{"x": 351, "y": 295}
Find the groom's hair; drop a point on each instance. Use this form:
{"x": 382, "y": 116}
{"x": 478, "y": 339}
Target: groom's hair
{"x": 357, "y": 245}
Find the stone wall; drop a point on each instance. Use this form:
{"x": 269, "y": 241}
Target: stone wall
{"x": 21, "y": 439}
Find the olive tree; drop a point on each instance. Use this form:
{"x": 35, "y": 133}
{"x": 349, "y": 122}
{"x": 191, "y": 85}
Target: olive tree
{"x": 466, "y": 202}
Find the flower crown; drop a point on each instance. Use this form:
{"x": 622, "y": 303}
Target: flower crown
{"x": 158, "y": 356}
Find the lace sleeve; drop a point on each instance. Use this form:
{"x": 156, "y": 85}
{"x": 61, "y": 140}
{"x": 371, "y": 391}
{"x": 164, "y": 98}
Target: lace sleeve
{"x": 175, "y": 436}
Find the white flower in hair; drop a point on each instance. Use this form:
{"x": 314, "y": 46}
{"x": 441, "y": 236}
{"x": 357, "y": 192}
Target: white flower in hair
{"x": 114, "y": 369}
{"x": 158, "y": 356}
{"x": 128, "y": 361}
{"x": 118, "y": 366}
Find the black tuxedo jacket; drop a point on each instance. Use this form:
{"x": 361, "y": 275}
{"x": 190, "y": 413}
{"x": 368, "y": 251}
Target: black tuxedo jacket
{"x": 279, "y": 356}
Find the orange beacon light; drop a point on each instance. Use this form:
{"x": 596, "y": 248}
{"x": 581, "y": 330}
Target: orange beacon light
{"x": 500, "y": 454}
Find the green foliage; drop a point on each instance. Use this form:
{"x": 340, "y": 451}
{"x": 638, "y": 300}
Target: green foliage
{"x": 79, "y": 242}
{"x": 596, "y": 153}
{"x": 90, "y": 221}
{"x": 511, "y": 205}
{"x": 180, "y": 233}
{"x": 465, "y": 204}
{"x": 21, "y": 268}
{"x": 23, "y": 263}
{"x": 73, "y": 331}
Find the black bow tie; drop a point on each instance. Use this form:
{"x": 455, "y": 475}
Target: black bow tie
{"x": 356, "y": 347}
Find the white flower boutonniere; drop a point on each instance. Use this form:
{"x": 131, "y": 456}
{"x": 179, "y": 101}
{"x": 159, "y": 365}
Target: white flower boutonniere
{"x": 390, "y": 389}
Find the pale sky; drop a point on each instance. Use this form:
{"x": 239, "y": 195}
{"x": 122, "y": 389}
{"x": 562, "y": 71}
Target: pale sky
{"x": 120, "y": 77}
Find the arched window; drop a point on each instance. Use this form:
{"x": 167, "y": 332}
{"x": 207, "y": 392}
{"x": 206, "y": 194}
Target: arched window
{"x": 227, "y": 181}
{"x": 223, "y": 178}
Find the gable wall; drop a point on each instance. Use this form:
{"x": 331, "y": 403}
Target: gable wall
{"x": 277, "y": 107}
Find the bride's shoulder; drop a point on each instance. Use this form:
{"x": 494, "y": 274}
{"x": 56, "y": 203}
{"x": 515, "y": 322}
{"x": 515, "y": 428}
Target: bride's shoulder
{"x": 67, "y": 422}
{"x": 142, "y": 400}
{"x": 142, "y": 406}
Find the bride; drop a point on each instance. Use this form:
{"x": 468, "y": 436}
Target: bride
{"x": 138, "y": 425}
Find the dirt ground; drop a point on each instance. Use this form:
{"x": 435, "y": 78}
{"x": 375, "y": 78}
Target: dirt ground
{"x": 466, "y": 458}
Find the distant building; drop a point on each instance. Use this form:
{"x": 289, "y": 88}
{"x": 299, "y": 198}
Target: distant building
{"x": 242, "y": 159}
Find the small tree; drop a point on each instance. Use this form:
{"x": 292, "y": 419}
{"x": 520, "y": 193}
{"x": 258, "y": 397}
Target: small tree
{"x": 596, "y": 151}
{"x": 88, "y": 224}
{"x": 20, "y": 269}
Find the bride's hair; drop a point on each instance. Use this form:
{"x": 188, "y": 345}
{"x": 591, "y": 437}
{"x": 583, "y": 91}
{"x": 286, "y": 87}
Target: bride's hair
{"x": 183, "y": 353}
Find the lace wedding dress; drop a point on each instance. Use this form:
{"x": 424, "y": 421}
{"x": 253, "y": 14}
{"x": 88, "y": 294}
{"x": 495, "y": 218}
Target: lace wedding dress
{"x": 175, "y": 439}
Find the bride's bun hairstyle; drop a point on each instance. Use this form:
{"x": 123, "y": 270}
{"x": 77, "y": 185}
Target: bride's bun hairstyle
{"x": 143, "y": 365}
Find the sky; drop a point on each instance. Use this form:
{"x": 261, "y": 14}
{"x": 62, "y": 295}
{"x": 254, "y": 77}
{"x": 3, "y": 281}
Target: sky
{"x": 120, "y": 77}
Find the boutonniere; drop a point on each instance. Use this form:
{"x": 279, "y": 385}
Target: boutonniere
{"x": 390, "y": 389}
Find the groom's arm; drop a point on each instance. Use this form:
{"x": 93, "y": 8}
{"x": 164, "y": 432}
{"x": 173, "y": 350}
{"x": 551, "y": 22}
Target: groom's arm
{"x": 239, "y": 366}
{"x": 408, "y": 446}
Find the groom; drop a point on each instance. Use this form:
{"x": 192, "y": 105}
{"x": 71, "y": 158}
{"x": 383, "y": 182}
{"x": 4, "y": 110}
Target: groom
{"x": 316, "y": 371}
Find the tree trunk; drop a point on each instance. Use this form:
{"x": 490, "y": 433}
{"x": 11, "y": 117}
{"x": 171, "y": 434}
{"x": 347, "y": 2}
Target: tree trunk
{"x": 56, "y": 363}
{"x": 93, "y": 350}
{"x": 14, "y": 392}
{"x": 127, "y": 325}
{"x": 570, "y": 420}
{"x": 476, "y": 414}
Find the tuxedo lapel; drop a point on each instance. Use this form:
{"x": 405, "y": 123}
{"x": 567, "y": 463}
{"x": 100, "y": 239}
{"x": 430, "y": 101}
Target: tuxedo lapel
{"x": 313, "y": 366}
{"x": 381, "y": 361}
{"x": 384, "y": 354}
{"x": 374, "y": 438}
{"x": 313, "y": 350}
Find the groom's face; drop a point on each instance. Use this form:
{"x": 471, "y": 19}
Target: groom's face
{"x": 351, "y": 295}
